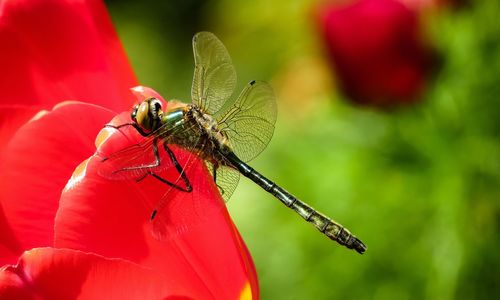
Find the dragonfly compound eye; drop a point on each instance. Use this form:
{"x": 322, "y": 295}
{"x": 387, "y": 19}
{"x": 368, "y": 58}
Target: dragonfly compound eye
{"x": 142, "y": 114}
{"x": 133, "y": 115}
{"x": 155, "y": 108}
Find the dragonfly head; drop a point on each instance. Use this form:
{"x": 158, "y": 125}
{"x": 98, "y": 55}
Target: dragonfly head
{"x": 148, "y": 114}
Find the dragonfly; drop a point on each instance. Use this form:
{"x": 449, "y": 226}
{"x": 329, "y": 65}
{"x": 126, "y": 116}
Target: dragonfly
{"x": 224, "y": 132}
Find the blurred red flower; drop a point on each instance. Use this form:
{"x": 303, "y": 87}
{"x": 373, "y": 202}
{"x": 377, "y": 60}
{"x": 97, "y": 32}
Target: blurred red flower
{"x": 377, "y": 50}
{"x": 432, "y": 4}
{"x": 88, "y": 237}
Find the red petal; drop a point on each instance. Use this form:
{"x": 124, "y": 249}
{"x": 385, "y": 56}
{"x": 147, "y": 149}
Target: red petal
{"x": 36, "y": 165}
{"x": 142, "y": 93}
{"x": 48, "y": 273}
{"x": 107, "y": 217}
{"x": 11, "y": 118}
{"x": 62, "y": 50}
{"x": 6, "y": 255}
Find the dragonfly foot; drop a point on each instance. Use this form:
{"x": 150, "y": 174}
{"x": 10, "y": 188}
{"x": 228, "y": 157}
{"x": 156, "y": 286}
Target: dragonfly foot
{"x": 153, "y": 215}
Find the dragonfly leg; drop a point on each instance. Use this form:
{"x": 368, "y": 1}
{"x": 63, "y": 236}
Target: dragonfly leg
{"x": 178, "y": 167}
{"x": 137, "y": 127}
{"x": 182, "y": 174}
{"x": 214, "y": 175}
{"x": 214, "y": 172}
{"x": 188, "y": 187}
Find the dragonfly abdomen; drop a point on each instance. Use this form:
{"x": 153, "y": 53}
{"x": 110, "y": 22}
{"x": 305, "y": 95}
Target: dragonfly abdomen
{"x": 325, "y": 225}
{"x": 329, "y": 227}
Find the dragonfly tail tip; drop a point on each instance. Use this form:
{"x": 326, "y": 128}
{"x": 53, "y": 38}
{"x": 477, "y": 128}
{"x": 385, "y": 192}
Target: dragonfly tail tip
{"x": 359, "y": 246}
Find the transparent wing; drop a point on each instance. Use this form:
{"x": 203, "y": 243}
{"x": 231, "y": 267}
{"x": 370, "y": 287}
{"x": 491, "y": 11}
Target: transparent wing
{"x": 139, "y": 155}
{"x": 177, "y": 211}
{"x": 226, "y": 180}
{"x": 214, "y": 75}
{"x": 134, "y": 161}
{"x": 249, "y": 121}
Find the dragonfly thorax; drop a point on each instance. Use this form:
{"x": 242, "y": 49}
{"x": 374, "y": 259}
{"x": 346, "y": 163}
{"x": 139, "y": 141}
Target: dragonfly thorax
{"x": 211, "y": 141}
{"x": 206, "y": 121}
{"x": 208, "y": 125}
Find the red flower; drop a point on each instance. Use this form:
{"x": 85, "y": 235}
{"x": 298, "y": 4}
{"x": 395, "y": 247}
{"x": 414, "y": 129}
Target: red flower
{"x": 379, "y": 55}
{"x": 431, "y": 4}
{"x": 94, "y": 233}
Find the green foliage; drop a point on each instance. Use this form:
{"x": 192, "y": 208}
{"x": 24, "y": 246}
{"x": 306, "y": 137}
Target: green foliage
{"x": 419, "y": 185}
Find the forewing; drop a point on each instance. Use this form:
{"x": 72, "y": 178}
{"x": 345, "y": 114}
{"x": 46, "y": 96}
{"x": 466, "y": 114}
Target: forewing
{"x": 134, "y": 161}
{"x": 249, "y": 121}
{"x": 214, "y": 75}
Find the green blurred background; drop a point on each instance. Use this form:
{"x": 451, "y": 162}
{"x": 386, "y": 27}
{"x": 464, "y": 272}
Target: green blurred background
{"x": 419, "y": 184}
